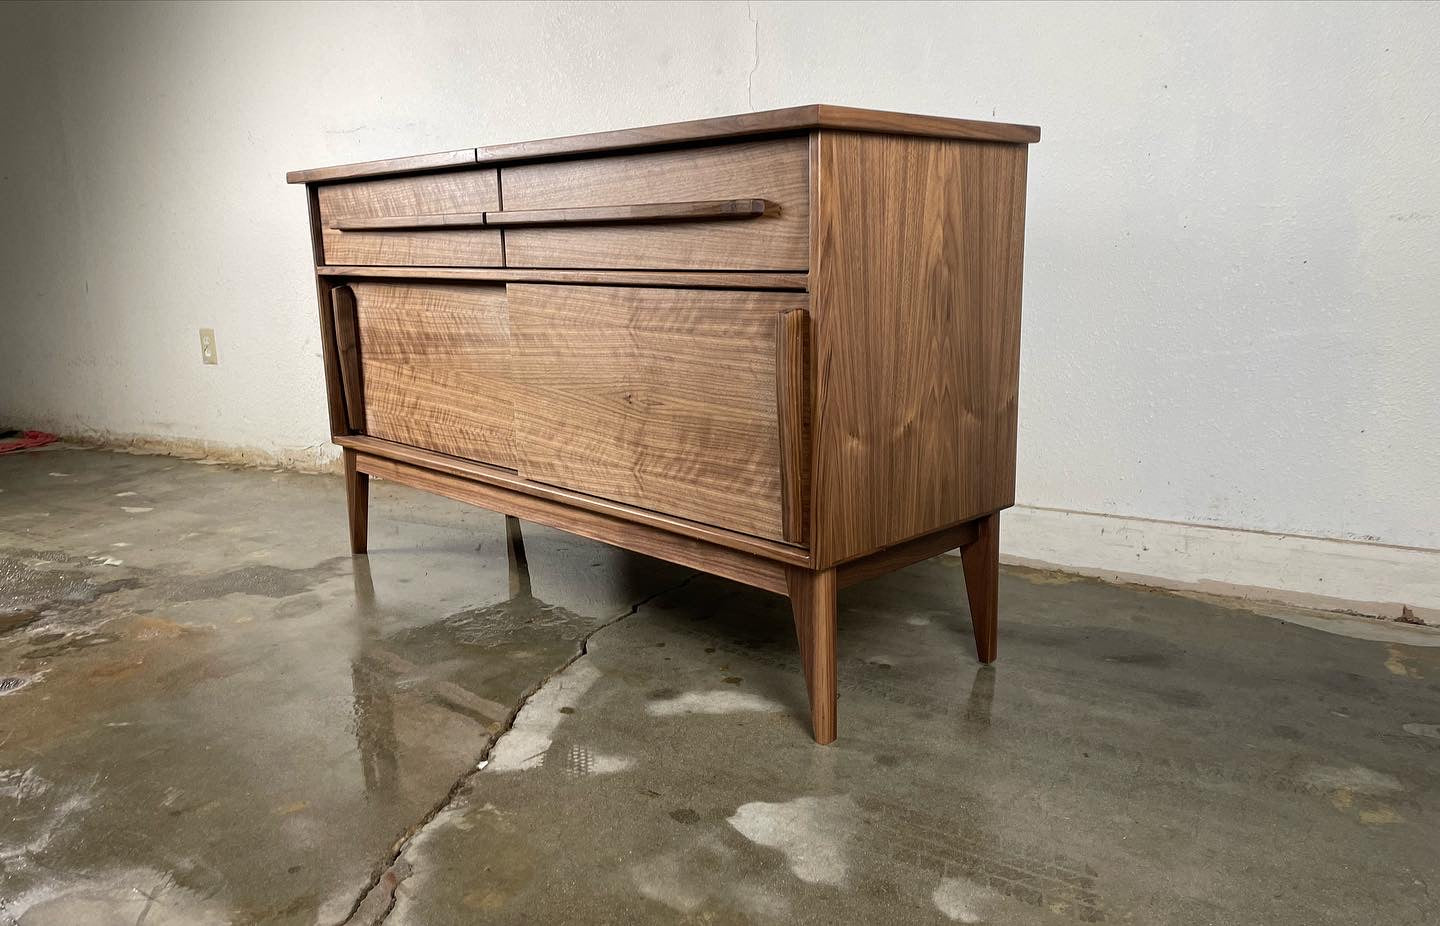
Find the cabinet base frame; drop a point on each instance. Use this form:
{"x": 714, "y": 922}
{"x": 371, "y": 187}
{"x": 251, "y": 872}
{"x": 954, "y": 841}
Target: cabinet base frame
{"x": 812, "y": 592}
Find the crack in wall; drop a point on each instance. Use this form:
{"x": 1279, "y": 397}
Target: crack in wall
{"x": 377, "y": 900}
{"x": 755, "y": 58}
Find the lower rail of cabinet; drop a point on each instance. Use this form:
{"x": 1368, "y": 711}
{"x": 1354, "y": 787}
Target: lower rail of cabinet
{"x": 812, "y": 592}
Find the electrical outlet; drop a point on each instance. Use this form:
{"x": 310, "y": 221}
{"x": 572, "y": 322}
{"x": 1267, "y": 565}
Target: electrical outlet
{"x": 207, "y": 346}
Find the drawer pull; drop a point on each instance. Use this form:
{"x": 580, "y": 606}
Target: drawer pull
{"x": 347, "y": 347}
{"x": 706, "y": 210}
{"x": 792, "y": 393}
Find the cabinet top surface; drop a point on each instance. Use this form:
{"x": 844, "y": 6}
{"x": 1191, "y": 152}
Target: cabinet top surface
{"x": 793, "y": 119}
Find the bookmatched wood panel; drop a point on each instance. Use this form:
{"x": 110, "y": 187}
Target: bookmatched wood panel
{"x": 916, "y": 276}
{"x": 665, "y": 399}
{"x": 458, "y": 192}
{"x": 435, "y": 360}
{"x": 774, "y": 170}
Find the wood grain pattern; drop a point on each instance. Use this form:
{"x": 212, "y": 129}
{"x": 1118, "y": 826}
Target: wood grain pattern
{"x": 460, "y": 192}
{"x": 414, "y": 163}
{"x": 357, "y": 503}
{"x": 428, "y": 222}
{"x": 792, "y": 397}
{"x": 794, "y": 119}
{"x": 916, "y": 336}
{"x": 436, "y": 366}
{"x": 329, "y": 358}
{"x": 774, "y": 170}
{"x": 664, "y": 399}
{"x": 981, "y": 559}
{"x": 696, "y": 554}
{"x": 711, "y": 209}
{"x": 814, "y": 604}
{"x": 347, "y": 348}
{"x": 683, "y": 279}
{"x": 912, "y": 551}
{"x": 512, "y": 481}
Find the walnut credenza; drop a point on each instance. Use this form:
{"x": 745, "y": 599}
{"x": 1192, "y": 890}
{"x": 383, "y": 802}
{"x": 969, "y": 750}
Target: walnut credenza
{"x": 780, "y": 347}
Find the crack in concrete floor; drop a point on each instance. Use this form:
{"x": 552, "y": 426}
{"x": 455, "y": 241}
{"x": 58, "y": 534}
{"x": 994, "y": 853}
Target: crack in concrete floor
{"x": 377, "y": 900}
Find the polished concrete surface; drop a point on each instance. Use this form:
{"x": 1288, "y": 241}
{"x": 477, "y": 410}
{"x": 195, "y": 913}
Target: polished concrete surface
{"x": 210, "y": 713}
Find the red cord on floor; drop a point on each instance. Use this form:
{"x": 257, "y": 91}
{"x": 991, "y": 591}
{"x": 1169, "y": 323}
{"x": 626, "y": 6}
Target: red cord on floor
{"x": 26, "y": 440}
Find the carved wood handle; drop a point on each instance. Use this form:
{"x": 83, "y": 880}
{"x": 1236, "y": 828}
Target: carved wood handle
{"x": 703, "y": 211}
{"x": 411, "y": 222}
{"x": 347, "y": 345}
{"x": 792, "y": 394}
{"x": 707, "y": 210}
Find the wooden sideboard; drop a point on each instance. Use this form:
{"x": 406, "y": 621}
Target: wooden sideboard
{"x": 780, "y": 347}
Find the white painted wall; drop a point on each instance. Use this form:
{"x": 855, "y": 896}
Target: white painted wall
{"x": 1233, "y": 244}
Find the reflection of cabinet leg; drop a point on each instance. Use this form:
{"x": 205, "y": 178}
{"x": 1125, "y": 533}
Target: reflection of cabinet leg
{"x": 515, "y": 555}
{"x": 812, "y": 599}
{"x": 981, "y": 560}
{"x": 357, "y": 498}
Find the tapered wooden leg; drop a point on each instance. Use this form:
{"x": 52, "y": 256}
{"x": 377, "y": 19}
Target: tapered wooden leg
{"x": 812, "y": 598}
{"x": 981, "y": 560}
{"x": 357, "y": 498}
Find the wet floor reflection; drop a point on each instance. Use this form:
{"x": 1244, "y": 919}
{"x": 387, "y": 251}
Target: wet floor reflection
{"x": 374, "y": 704}
{"x": 982, "y": 698}
{"x": 387, "y": 664}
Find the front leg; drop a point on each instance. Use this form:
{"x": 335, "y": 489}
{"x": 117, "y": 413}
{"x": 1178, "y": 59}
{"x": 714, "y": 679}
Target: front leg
{"x": 981, "y": 559}
{"x": 357, "y": 498}
{"x": 813, "y": 601}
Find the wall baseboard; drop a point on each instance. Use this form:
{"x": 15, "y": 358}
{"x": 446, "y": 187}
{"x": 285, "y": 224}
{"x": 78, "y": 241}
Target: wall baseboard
{"x": 1353, "y": 577}
{"x": 321, "y": 458}
{"x": 1334, "y": 575}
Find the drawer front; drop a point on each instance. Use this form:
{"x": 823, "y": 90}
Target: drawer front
{"x": 661, "y": 398}
{"x": 435, "y": 367}
{"x": 430, "y": 220}
{"x": 718, "y": 183}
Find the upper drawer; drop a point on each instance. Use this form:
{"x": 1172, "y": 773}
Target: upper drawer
{"x": 720, "y": 184}
{"x": 431, "y": 220}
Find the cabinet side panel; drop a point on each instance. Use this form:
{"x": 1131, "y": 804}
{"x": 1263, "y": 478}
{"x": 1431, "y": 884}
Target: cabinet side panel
{"x": 916, "y": 292}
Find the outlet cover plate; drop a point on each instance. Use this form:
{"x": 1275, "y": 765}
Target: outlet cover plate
{"x": 207, "y": 347}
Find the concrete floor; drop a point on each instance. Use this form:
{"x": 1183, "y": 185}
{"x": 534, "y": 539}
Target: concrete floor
{"x": 212, "y": 714}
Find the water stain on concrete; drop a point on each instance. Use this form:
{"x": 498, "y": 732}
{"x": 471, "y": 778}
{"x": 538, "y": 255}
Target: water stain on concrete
{"x": 33, "y": 582}
{"x": 811, "y": 832}
{"x": 265, "y": 581}
{"x": 1398, "y": 662}
{"x": 962, "y": 900}
{"x": 712, "y": 702}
